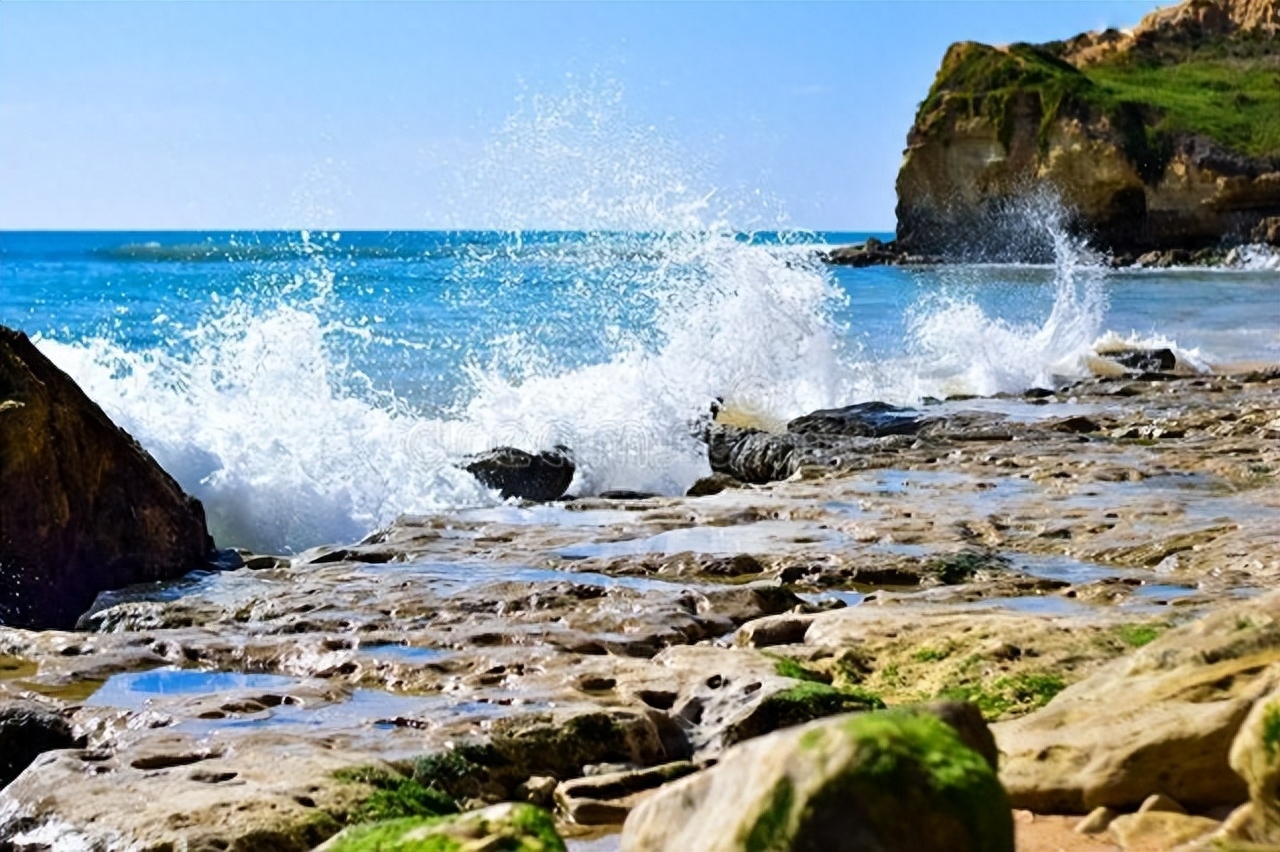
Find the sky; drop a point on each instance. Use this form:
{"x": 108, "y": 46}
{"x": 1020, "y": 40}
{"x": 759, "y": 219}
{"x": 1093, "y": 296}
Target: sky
{"x": 420, "y": 115}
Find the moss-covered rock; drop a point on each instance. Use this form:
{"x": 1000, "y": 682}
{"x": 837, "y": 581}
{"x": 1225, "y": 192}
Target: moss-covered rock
{"x": 501, "y": 828}
{"x": 802, "y": 703}
{"x": 886, "y": 780}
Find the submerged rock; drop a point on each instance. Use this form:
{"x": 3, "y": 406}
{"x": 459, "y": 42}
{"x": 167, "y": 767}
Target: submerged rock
{"x": 83, "y": 508}
{"x": 541, "y": 477}
{"x": 891, "y": 780}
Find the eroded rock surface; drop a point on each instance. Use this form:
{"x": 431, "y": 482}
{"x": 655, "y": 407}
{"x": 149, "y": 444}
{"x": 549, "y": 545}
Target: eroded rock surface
{"x": 1006, "y": 550}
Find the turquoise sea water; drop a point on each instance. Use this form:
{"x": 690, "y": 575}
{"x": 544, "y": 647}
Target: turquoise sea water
{"x": 309, "y": 386}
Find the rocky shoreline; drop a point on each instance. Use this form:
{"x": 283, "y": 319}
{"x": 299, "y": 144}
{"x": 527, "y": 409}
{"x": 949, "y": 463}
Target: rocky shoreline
{"x": 1089, "y": 568}
{"x": 1265, "y": 237}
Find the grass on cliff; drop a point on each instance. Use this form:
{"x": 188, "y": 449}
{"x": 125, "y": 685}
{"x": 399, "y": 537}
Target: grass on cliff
{"x": 1231, "y": 100}
{"x": 1234, "y": 100}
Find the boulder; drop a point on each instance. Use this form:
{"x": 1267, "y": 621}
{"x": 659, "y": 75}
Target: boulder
{"x": 84, "y": 508}
{"x": 1159, "y": 720}
{"x": 891, "y": 780}
{"x": 541, "y": 477}
{"x": 510, "y": 827}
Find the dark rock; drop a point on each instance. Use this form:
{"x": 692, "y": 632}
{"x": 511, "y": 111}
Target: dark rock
{"x": 623, "y": 494}
{"x": 84, "y": 508}
{"x": 750, "y": 455}
{"x": 1145, "y": 360}
{"x": 1078, "y": 425}
{"x": 540, "y": 477}
{"x": 866, "y": 419}
{"x": 873, "y": 252}
{"x": 27, "y": 730}
{"x": 713, "y": 484}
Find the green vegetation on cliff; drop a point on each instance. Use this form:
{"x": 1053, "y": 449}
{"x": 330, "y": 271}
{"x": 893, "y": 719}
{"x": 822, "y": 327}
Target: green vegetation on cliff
{"x": 1233, "y": 100}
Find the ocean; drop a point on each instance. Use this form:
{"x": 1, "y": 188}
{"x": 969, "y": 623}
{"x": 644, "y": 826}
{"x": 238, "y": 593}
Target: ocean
{"x": 309, "y": 386}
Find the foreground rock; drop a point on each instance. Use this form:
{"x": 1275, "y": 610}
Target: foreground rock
{"x": 1255, "y": 756}
{"x": 893, "y": 780}
{"x": 1161, "y": 720}
{"x": 1124, "y": 127}
{"x": 540, "y": 477}
{"x": 507, "y": 827}
{"x": 83, "y": 508}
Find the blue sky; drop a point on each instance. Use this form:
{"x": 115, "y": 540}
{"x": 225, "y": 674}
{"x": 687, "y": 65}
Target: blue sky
{"x": 426, "y": 115}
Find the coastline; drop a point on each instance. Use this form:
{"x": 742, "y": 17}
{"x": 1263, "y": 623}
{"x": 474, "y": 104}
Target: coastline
{"x": 999, "y": 561}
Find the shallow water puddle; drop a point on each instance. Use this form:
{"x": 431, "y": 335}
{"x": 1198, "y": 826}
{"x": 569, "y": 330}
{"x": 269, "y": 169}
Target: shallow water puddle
{"x": 551, "y": 514}
{"x": 16, "y": 667}
{"x": 455, "y": 577}
{"x": 133, "y": 690}
{"x": 396, "y": 653}
{"x": 757, "y": 537}
{"x": 267, "y": 700}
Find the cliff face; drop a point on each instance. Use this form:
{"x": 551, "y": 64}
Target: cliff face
{"x": 1166, "y": 136}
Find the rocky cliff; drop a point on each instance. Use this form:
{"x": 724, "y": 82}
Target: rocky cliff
{"x": 1164, "y": 136}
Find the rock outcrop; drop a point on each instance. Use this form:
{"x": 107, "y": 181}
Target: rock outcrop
{"x": 892, "y": 780}
{"x": 83, "y": 508}
{"x": 1164, "y": 137}
{"x": 540, "y": 477}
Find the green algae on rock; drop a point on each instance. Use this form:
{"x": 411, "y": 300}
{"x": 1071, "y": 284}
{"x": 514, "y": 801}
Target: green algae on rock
{"x": 501, "y": 828}
{"x": 842, "y": 783}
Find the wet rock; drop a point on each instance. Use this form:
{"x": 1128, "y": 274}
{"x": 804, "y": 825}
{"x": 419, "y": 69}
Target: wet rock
{"x": 509, "y": 826}
{"x": 1145, "y": 360}
{"x": 1163, "y": 717}
{"x": 713, "y": 484}
{"x": 864, "y": 420}
{"x": 839, "y": 784}
{"x": 752, "y": 456}
{"x": 83, "y": 508}
{"x": 540, "y": 477}
{"x": 1077, "y": 425}
{"x": 27, "y": 730}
